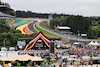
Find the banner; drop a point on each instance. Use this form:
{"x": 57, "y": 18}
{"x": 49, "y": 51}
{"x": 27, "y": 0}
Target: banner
{"x": 21, "y": 44}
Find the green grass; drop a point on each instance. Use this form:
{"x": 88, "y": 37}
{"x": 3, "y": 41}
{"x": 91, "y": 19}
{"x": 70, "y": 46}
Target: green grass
{"x": 45, "y": 32}
{"x": 45, "y": 24}
{"x": 21, "y": 21}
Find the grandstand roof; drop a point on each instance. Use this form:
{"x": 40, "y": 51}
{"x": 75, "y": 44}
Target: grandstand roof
{"x": 63, "y": 27}
{"x": 4, "y": 14}
{"x": 4, "y": 6}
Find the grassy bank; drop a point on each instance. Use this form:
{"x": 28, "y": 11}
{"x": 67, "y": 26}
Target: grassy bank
{"x": 45, "y": 24}
{"x": 45, "y": 32}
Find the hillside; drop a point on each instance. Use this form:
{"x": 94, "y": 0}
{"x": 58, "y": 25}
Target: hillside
{"x": 85, "y": 25}
{"x": 9, "y": 35}
{"x": 94, "y": 29}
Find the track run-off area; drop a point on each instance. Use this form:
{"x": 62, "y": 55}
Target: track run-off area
{"x": 25, "y": 25}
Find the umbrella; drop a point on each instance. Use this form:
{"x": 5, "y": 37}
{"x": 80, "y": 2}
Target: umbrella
{"x": 65, "y": 57}
{"x": 85, "y": 58}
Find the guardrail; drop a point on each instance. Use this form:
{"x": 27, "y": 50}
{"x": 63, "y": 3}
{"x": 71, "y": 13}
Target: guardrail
{"x": 61, "y": 35}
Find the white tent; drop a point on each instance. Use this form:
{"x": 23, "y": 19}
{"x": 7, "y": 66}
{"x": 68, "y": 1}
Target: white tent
{"x": 96, "y": 44}
{"x": 3, "y": 49}
{"x": 25, "y": 57}
{"x": 91, "y": 43}
{"x": 76, "y": 43}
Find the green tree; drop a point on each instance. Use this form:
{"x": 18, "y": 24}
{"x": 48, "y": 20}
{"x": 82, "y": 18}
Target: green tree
{"x": 3, "y": 26}
{"x": 89, "y": 32}
{"x": 13, "y": 13}
{"x": 75, "y": 22}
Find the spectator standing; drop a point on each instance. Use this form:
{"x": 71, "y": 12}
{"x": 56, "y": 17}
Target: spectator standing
{"x": 1, "y": 65}
{"x": 30, "y": 63}
{"x": 10, "y": 65}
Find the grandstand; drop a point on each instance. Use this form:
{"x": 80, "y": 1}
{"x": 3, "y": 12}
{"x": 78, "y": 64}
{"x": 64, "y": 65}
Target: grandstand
{"x": 5, "y": 11}
{"x": 5, "y": 7}
{"x": 5, "y": 16}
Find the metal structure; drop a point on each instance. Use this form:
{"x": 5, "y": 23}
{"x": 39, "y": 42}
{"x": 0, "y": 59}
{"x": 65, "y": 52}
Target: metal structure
{"x": 5, "y": 16}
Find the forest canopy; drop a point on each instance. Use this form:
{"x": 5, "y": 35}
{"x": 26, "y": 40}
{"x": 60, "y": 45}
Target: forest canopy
{"x": 9, "y": 34}
{"x": 85, "y": 25}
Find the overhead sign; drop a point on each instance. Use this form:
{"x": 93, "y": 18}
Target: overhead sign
{"x": 39, "y": 41}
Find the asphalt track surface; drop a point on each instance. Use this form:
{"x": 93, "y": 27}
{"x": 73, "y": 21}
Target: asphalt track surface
{"x": 31, "y": 28}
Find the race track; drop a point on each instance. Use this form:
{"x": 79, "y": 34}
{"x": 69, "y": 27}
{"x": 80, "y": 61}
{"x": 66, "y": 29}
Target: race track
{"x": 26, "y": 25}
{"x": 31, "y": 27}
